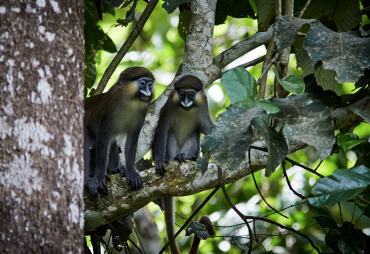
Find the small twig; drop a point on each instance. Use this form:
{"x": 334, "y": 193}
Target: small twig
{"x": 253, "y": 62}
{"x": 222, "y": 185}
{"x": 303, "y": 166}
{"x": 255, "y": 183}
{"x": 267, "y": 68}
{"x": 248, "y": 64}
{"x": 287, "y": 228}
{"x": 189, "y": 219}
{"x": 363, "y": 200}
{"x": 304, "y": 8}
{"x": 318, "y": 165}
{"x": 340, "y": 212}
{"x": 288, "y": 182}
{"x": 126, "y": 46}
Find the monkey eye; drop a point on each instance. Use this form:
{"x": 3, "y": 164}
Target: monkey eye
{"x": 142, "y": 82}
{"x": 191, "y": 94}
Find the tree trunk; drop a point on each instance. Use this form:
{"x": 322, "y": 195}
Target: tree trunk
{"x": 41, "y": 126}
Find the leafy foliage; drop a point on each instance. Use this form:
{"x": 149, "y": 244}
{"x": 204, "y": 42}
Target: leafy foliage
{"x": 231, "y": 136}
{"x": 307, "y": 120}
{"x": 345, "y": 53}
{"x": 95, "y": 39}
{"x": 348, "y": 141}
{"x": 197, "y": 228}
{"x": 344, "y": 239}
{"x": 171, "y": 5}
{"x": 233, "y": 8}
{"x": 276, "y": 145}
{"x": 129, "y": 15}
{"x": 292, "y": 84}
{"x": 342, "y": 185}
{"x": 241, "y": 88}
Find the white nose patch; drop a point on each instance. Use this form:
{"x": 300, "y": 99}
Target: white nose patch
{"x": 186, "y": 105}
{"x": 145, "y": 93}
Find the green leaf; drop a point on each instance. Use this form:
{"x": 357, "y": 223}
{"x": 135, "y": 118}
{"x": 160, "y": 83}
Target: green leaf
{"x": 348, "y": 54}
{"x": 231, "y": 136}
{"x": 129, "y": 15}
{"x": 342, "y": 185}
{"x": 292, "y": 84}
{"x": 171, "y": 5}
{"x": 361, "y": 113}
{"x": 183, "y": 25}
{"x": 197, "y": 228}
{"x": 307, "y": 120}
{"x": 268, "y": 106}
{"x": 233, "y": 8}
{"x": 113, "y": 3}
{"x": 348, "y": 140}
{"x": 239, "y": 85}
{"x": 286, "y": 30}
{"x": 326, "y": 223}
{"x": 275, "y": 142}
{"x": 266, "y": 11}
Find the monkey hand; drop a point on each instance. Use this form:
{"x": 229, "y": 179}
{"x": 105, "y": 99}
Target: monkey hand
{"x": 120, "y": 169}
{"x": 134, "y": 179}
{"x": 159, "y": 167}
{"x": 181, "y": 157}
{"x": 94, "y": 185}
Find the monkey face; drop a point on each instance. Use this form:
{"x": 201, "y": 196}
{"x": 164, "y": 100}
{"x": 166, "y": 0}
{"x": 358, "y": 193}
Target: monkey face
{"x": 187, "y": 97}
{"x": 145, "y": 86}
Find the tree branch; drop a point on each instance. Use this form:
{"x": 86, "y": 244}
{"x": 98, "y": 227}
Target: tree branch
{"x": 197, "y": 61}
{"x": 137, "y": 28}
{"x": 243, "y": 47}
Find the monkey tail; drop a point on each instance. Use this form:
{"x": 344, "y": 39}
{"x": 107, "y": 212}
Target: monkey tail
{"x": 168, "y": 207}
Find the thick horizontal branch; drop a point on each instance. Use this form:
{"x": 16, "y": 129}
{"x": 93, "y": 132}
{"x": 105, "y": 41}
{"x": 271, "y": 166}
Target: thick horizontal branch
{"x": 180, "y": 180}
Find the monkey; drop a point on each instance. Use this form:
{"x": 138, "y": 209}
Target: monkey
{"x": 210, "y": 230}
{"x": 111, "y": 115}
{"x": 177, "y": 136}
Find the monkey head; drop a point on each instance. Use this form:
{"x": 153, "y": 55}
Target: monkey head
{"x": 138, "y": 83}
{"x": 189, "y": 92}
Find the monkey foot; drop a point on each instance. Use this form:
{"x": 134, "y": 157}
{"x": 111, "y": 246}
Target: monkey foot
{"x": 120, "y": 169}
{"x": 180, "y": 157}
{"x": 159, "y": 168}
{"x": 134, "y": 179}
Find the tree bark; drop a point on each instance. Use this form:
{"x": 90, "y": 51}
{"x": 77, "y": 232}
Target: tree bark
{"x": 41, "y": 126}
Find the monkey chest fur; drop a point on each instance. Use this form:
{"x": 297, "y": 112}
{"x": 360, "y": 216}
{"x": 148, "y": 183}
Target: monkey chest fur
{"x": 184, "y": 126}
{"x": 129, "y": 118}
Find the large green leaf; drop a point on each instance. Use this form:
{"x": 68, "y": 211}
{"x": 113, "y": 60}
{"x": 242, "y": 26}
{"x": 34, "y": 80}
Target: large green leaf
{"x": 292, "y": 84}
{"x": 307, "y": 120}
{"x": 269, "y": 106}
{"x": 342, "y": 185}
{"x": 275, "y": 142}
{"x": 286, "y": 30}
{"x": 266, "y": 11}
{"x": 348, "y": 141}
{"x": 239, "y": 85}
{"x": 348, "y": 54}
{"x": 233, "y": 8}
{"x": 231, "y": 136}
